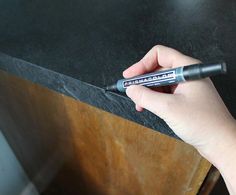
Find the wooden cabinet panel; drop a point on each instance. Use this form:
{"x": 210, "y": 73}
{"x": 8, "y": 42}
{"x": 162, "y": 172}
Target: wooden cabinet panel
{"x": 69, "y": 147}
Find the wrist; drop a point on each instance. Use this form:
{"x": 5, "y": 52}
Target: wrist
{"x": 221, "y": 149}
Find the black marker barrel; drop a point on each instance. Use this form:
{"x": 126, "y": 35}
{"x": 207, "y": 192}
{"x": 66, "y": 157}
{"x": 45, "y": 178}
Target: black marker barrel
{"x": 171, "y": 76}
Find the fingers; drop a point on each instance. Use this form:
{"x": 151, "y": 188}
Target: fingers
{"x": 170, "y": 58}
{"x": 147, "y": 64}
{"x": 159, "y": 56}
{"x": 138, "y": 108}
{"x": 156, "y": 102}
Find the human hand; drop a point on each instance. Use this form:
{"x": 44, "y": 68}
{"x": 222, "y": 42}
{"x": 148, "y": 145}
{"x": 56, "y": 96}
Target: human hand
{"x": 193, "y": 110}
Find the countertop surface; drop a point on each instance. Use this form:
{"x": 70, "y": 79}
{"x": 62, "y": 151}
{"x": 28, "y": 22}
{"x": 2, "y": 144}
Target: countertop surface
{"x": 77, "y": 47}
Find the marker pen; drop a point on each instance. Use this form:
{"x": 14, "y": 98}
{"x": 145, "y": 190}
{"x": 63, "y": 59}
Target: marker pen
{"x": 171, "y": 76}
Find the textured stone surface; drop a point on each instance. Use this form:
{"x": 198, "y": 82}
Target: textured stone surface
{"x": 93, "y": 95}
{"x": 77, "y": 47}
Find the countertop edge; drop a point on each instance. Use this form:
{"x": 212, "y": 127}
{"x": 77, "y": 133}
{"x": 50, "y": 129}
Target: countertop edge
{"x": 82, "y": 91}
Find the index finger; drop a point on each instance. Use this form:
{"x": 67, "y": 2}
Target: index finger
{"x": 147, "y": 64}
{"x": 159, "y": 56}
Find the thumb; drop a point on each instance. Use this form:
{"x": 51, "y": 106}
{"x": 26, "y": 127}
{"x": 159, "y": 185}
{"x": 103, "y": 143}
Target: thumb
{"x": 156, "y": 102}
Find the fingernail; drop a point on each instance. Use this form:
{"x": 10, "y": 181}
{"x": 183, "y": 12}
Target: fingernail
{"x": 124, "y": 72}
{"x": 129, "y": 90}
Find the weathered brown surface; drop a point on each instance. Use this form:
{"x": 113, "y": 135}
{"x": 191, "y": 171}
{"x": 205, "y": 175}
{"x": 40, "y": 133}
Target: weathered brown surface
{"x": 79, "y": 149}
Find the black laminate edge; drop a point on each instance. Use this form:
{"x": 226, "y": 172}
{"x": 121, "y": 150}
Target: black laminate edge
{"x": 90, "y": 94}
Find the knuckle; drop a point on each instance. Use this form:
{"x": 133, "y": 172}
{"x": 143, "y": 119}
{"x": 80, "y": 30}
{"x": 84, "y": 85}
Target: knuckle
{"x": 169, "y": 105}
{"x": 156, "y": 48}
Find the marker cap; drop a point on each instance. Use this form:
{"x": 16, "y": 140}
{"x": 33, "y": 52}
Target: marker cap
{"x": 198, "y": 71}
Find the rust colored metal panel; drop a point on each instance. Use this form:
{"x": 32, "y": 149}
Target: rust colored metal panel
{"x": 69, "y": 147}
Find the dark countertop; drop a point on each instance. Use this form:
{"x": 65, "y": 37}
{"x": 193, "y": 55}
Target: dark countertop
{"x": 76, "y": 47}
